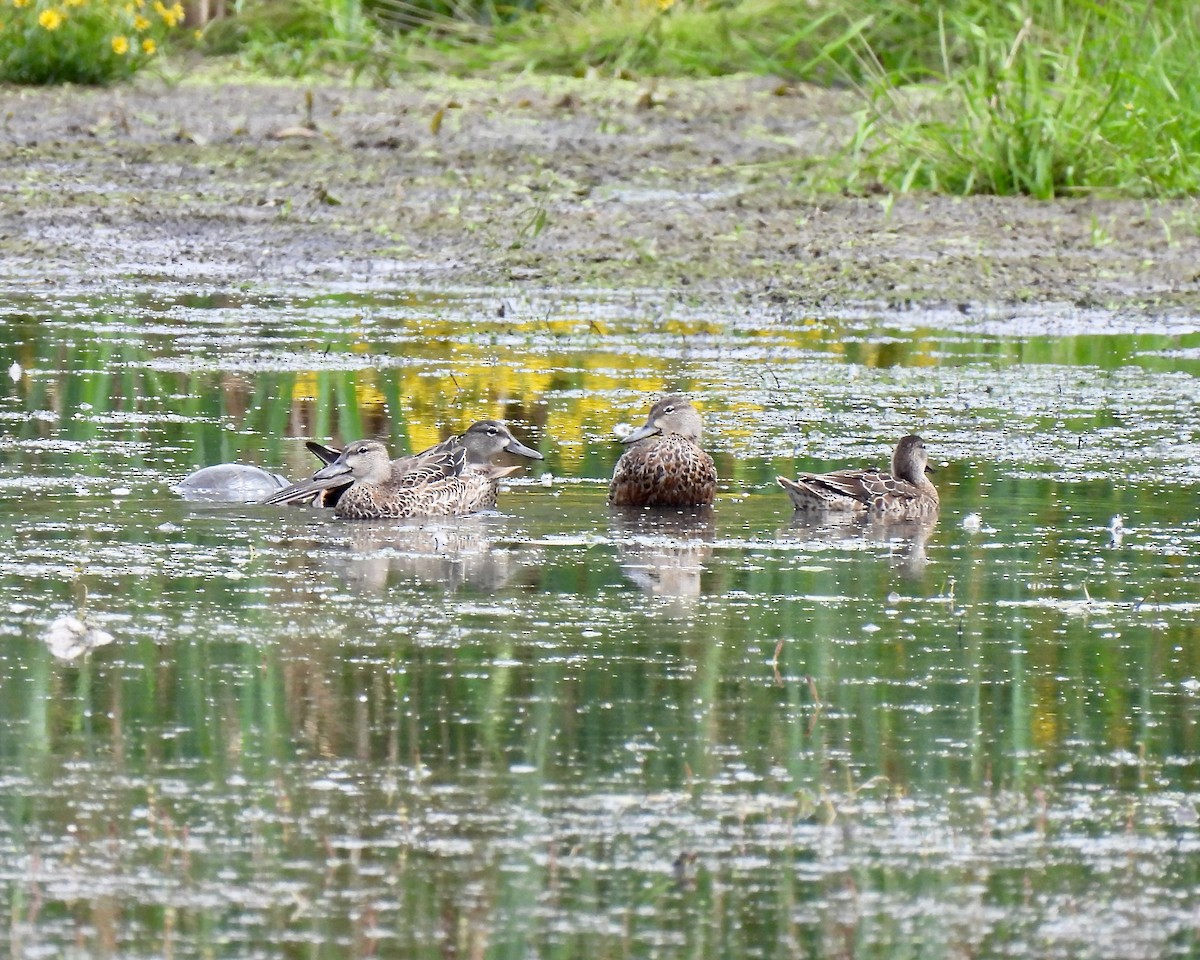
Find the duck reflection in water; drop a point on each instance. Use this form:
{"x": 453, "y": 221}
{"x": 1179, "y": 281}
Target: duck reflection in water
{"x": 906, "y": 537}
{"x": 453, "y": 554}
{"x": 663, "y": 552}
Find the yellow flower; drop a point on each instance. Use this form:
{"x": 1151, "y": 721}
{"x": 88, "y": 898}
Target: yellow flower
{"x": 76, "y": 3}
{"x": 170, "y": 15}
{"x": 120, "y": 46}
{"x": 148, "y": 47}
{"x": 140, "y": 23}
{"x": 20, "y": 3}
{"x": 50, "y": 19}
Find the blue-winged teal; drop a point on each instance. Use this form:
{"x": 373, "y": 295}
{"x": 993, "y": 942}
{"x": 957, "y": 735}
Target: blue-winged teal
{"x": 664, "y": 465}
{"x": 230, "y": 483}
{"x": 453, "y": 477}
{"x": 905, "y": 492}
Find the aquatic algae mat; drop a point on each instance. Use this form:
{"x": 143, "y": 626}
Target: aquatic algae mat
{"x": 688, "y": 185}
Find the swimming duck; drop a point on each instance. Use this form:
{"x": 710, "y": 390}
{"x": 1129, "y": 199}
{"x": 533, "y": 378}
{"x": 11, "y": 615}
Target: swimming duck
{"x": 453, "y": 477}
{"x": 230, "y": 483}
{"x": 664, "y": 465}
{"x": 905, "y": 492}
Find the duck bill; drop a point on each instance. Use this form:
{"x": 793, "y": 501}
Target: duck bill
{"x": 641, "y": 433}
{"x": 516, "y": 446}
{"x": 332, "y": 471}
{"x": 929, "y": 469}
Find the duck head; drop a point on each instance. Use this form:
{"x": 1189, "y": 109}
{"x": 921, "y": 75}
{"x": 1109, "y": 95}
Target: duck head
{"x": 367, "y": 461}
{"x": 910, "y": 461}
{"x": 671, "y": 415}
{"x": 487, "y": 438}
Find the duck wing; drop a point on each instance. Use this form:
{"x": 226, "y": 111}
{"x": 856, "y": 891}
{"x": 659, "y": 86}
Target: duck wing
{"x": 872, "y": 488}
{"x": 320, "y": 493}
{"x": 440, "y": 462}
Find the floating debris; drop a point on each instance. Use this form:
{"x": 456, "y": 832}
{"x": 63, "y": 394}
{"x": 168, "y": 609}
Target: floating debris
{"x": 15, "y": 372}
{"x": 69, "y": 638}
{"x": 1185, "y": 815}
{"x": 1116, "y": 531}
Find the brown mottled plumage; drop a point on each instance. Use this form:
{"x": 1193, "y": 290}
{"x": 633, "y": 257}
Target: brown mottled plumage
{"x": 453, "y": 477}
{"x": 905, "y": 492}
{"x": 664, "y": 465}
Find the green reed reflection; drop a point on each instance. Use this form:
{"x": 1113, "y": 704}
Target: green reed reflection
{"x": 413, "y": 379}
{"x": 556, "y": 731}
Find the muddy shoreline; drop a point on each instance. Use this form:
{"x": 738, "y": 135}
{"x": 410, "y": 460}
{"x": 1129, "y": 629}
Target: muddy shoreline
{"x": 546, "y": 183}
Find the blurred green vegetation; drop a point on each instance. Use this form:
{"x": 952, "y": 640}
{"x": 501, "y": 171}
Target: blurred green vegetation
{"x": 1040, "y": 97}
{"x": 1037, "y": 97}
{"x": 81, "y": 41}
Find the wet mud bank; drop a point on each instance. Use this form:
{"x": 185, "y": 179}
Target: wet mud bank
{"x": 550, "y": 183}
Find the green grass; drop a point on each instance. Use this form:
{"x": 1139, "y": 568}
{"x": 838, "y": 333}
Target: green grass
{"x": 783, "y": 37}
{"x": 1040, "y": 97}
{"x": 1042, "y": 102}
{"x": 91, "y": 42}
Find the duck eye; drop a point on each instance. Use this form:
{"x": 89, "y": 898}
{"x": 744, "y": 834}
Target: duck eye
{"x": 492, "y": 432}
{"x": 670, "y": 409}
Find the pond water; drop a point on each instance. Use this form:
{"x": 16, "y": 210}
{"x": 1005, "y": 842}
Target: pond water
{"x": 552, "y": 730}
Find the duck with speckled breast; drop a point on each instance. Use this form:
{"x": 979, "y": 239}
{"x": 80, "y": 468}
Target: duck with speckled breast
{"x": 664, "y": 465}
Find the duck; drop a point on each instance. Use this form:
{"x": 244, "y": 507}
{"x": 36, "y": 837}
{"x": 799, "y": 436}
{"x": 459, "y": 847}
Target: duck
{"x": 455, "y": 477}
{"x": 906, "y": 492}
{"x": 664, "y": 465}
{"x": 230, "y": 483}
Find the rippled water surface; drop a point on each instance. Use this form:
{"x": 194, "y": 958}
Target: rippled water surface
{"x": 559, "y": 731}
